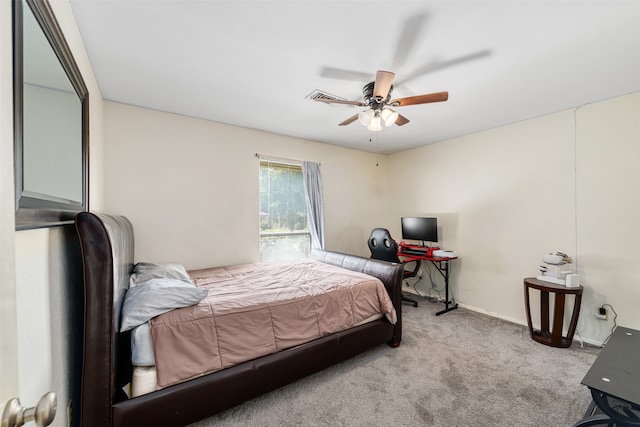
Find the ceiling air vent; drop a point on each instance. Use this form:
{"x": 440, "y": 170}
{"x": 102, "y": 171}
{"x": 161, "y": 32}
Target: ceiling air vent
{"x": 318, "y": 95}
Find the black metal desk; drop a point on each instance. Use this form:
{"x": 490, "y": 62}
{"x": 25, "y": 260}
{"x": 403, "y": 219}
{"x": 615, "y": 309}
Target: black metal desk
{"x": 614, "y": 381}
{"x": 440, "y": 263}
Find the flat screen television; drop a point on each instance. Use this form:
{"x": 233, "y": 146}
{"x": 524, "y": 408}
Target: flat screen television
{"x": 423, "y": 229}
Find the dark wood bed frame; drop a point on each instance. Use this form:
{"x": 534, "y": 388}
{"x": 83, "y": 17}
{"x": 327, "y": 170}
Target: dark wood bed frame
{"x": 107, "y": 244}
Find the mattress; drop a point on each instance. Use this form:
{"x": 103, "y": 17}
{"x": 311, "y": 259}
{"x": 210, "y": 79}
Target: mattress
{"x": 252, "y": 310}
{"x": 144, "y": 377}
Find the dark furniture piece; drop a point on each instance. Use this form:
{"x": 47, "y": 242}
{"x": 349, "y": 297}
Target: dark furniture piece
{"x": 383, "y": 247}
{"x": 420, "y": 253}
{"x": 614, "y": 381}
{"x": 554, "y": 337}
{"x": 107, "y": 245}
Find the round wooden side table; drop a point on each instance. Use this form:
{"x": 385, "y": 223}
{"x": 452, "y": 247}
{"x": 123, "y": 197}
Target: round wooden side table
{"x": 553, "y": 338}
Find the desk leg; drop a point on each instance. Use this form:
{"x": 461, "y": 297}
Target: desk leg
{"x": 558, "y": 317}
{"x": 608, "y": 415}
{"x": 527, "y": 307}
{"x": 544, "y": 313}
{"x": 574, "y": 317}
{"x": 446, "y": 288}
{"x": 594, "y": 420}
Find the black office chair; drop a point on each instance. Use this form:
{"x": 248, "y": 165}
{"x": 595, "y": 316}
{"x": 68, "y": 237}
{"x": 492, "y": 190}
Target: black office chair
{"x": 383, "y": 247}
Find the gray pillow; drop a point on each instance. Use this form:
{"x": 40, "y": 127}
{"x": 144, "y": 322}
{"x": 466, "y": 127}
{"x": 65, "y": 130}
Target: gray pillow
{"x": 142, "y": 346}
{"x": 156, "y": 296}
{"x": 145, "y": 271}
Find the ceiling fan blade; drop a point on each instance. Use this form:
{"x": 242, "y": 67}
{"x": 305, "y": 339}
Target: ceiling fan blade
{"x": 401, "y": 120}
{"x": 382, "y": 85}
{"x": 341, "y": 101}
{"x": 342, "y": 74}
{"x": 439, "y": 65}
{"x": 411, "y": 30}
{"x": 420, "y": 99}
{"x": 349, "y": 120}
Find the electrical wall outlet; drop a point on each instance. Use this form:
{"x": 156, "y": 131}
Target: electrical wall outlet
{"x": 601, "y": 313}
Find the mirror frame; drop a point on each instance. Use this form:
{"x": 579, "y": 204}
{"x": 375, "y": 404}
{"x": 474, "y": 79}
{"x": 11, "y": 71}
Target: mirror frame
{"x": 44, "y": 210}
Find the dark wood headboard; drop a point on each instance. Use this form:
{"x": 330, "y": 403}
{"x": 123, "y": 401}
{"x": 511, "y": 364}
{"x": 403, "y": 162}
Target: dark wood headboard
{"x": 107, "y": 246}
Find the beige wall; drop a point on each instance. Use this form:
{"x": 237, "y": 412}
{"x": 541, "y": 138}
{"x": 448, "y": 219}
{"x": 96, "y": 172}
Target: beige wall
{"x": 190, "y": 186}
{"x": 502, "y": 197}
{"x": 608, "y": 206}
{"x": 506, "y": 196}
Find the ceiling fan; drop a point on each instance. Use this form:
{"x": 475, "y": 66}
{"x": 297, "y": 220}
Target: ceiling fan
{"x": 377, "y": 96}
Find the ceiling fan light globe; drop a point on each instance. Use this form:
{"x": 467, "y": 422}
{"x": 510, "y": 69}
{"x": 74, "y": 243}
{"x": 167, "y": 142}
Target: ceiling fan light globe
{"x": 375, "y": 124}
{"x": 389, "y": 116}
{"x": 365, "y": 117}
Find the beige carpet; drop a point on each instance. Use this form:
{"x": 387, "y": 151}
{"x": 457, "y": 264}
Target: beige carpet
{"x": 458, "y": 369}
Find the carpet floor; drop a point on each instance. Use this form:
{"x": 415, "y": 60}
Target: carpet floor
{"x": 458, "y": 369}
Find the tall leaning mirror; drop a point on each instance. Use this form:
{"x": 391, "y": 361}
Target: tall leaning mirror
{"x": 50, "y": 121}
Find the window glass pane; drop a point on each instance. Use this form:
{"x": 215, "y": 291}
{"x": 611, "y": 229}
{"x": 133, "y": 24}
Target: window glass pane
{"x": 284, "y": 234}
{"x": 284, "y": 248}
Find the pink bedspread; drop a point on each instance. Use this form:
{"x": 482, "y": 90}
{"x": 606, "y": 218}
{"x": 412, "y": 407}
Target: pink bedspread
{"x": 256, "y": 309}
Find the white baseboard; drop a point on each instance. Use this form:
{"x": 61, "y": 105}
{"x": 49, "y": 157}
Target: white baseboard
{"x": 492, "y": 314}
{"x": 577, "y": 337}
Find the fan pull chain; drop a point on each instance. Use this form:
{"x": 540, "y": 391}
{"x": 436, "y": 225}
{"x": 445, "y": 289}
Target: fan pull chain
{"x": 370, "y": 141}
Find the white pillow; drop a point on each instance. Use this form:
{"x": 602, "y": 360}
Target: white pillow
{"x": 156, "y": 296}
{"x": 145, "y": 271}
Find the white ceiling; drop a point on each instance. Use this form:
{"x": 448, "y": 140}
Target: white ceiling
{"x": 252, "y": 63}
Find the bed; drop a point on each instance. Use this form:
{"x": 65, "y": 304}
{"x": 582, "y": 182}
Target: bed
{"x": 107, "y": 246}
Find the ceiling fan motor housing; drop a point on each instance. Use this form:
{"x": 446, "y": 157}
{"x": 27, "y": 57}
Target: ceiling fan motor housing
{"x": 369, "y": 99}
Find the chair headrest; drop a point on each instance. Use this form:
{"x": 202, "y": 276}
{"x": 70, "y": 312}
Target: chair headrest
{"x": 382, "y": 245}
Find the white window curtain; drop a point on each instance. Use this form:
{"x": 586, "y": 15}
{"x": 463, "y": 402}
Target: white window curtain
{"x": 315, "y": 204}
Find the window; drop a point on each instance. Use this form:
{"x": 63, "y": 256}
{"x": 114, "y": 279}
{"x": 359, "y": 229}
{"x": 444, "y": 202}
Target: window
{"x": 284, "y": 234}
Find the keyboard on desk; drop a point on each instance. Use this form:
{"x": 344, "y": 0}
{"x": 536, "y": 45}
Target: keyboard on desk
{"x": 414, "y": 251}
